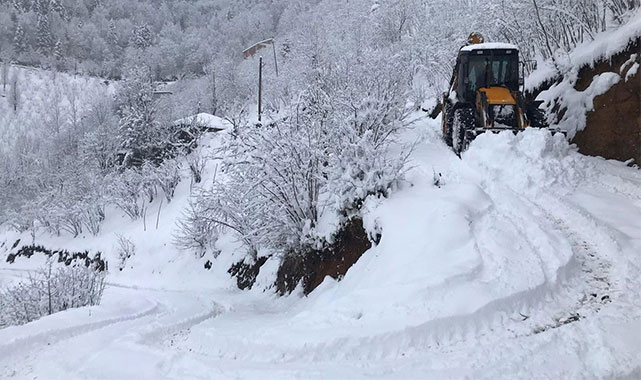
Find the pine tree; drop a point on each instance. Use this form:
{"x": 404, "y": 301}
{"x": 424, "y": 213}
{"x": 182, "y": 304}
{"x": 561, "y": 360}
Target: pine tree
{"x": 41, "y": 6}
{"x": 20, "y": 40}
{"x": 112, "y": 37}
{"x": 44, "y": 36}
{"x": 58, "y": 7}
{"x": 141, "y": 37}
{"x": 57, "y": 50}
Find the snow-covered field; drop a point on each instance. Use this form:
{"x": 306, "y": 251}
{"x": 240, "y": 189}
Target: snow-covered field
{"x": 524, "y": 263}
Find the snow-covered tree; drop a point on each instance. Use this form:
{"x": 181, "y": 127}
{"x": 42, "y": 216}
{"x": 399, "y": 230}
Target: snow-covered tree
{"x": 44, "y": 36}
{"x": 141, "y": 37}
{"x": 19, "y": 40}
{"x": 14, "y": 94}
{"x": 4, "y": 75}
{"x": 138, "y": 131}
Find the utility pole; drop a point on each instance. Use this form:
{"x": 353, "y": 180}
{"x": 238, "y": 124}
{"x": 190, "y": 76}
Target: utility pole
{"x": 275, "y": 61}
{"x": 249, "y": 52}
{"x": 260, "y": 86}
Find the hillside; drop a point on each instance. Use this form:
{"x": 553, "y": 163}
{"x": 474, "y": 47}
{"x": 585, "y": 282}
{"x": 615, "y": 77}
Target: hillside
{"x": 193, "y": 215}
{"x": 489, "y": 275}
{"x": 595, "y": 94}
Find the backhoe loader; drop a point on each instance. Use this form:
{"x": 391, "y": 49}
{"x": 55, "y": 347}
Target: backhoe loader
{"x": 485, "y": 94}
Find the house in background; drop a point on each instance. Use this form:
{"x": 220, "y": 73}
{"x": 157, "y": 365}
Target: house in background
{"x": 188, "y": 129}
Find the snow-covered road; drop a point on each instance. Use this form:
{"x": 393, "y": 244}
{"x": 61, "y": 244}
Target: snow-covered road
{"x": 122, "y": 338}
{"x": 524, "y": 263}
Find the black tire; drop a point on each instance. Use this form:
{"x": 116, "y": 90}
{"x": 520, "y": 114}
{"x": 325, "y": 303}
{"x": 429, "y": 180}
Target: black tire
{"x": 463, "y": 124}
{"x": 449, "y": 117}
{"x": 537, "y": 118}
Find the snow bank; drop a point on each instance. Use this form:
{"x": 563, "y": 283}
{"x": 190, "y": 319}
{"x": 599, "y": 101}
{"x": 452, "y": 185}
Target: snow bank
{"x": 603, "y": 47}
{"x": 577, "y": 103}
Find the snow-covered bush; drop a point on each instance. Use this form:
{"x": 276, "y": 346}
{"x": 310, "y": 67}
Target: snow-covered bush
{"x": 368, "y": 121}
{"x": 196, "y": 229}
{"x": 223, "y": 207}
{"x": 133, "y": 189}
{"x": 126, "y": 248}
{"x": 167, "y": 175}
{"x": 126, "y": 192}
{"x": 196, "y": 161}
{"x": 326, "y": 154}
{"x": 50, "y": 290}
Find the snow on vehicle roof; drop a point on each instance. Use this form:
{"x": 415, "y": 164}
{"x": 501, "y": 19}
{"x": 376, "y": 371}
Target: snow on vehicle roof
{"x": 489, "y": 46}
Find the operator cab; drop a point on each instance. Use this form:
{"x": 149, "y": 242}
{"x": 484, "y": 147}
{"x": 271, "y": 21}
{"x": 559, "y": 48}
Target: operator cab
{"x": 486, "y": 65}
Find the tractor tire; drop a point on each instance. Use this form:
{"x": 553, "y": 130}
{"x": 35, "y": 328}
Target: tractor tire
{"x": 537, "y": 118}
{"x": 448, "y": 115}
{"x": 463, "y": 124}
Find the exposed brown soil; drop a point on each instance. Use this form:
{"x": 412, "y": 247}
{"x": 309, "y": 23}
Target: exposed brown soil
{"x": 613, "y": 129}
{"x": 313, "y": 266}
{"x": 246, "y": 273}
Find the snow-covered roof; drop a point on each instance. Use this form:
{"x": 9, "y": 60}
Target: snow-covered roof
{"x": 489, "y": 46}
{"x": 203, "y": 119}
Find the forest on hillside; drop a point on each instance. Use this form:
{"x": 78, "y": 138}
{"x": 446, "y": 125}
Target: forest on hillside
{"x": 347, "y": 71}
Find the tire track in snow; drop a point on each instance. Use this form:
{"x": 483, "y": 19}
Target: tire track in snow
{"x": 167, "y": 333}
{"x": 585, "y": 289}
{"x": 155, "y": 326}
{"x": 552, "y": 304}
{"x": 581, "y": 287}
{"x": 595, "y": 279}
{"x": 53, "y": 336}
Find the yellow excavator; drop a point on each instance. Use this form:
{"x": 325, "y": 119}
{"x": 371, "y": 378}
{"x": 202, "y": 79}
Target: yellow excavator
{"x": 485, "y": 94}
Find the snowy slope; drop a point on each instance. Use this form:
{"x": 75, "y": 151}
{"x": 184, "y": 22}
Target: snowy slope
{"x": 524, "y": 263}
{"x": 41, "y": 93}
{"x": 603, "y": 47}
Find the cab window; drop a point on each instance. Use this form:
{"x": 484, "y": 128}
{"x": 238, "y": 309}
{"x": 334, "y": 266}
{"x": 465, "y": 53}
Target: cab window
{"x": 492, "y": 70}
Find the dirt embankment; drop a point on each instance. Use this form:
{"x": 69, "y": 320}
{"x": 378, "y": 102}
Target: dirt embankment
{"x": 613, "y": 128}
{"x": 311, "y": 268}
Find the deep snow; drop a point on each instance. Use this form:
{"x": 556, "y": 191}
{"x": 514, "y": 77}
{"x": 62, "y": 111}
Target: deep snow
{"x": 524, "y": 263}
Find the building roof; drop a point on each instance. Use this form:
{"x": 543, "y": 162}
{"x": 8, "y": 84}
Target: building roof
{"x": 205, "y": 120}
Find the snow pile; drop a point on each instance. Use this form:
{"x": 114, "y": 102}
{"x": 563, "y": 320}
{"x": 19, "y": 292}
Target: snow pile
{"x": 633, "y": 69}
{"x": 529, "y": 161}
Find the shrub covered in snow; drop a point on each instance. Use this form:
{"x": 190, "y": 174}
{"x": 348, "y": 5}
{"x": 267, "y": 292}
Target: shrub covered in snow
{"x": 125, "y": 249}
{"x": 50, "y": 290}
{"x": 327, "y": 152}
